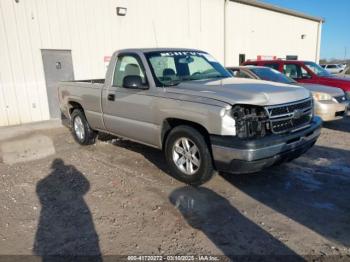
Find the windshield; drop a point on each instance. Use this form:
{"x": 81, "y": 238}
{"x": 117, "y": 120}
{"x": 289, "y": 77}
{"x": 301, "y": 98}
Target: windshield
{"x": 316, "y": 69}
{"x": 172, "y": 68}
{"x": 273, "y": 75}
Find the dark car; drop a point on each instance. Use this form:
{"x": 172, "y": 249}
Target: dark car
{"x": 305, "y": 72}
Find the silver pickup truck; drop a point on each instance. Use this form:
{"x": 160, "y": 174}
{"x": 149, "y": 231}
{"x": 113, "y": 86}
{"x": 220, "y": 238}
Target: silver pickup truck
{"x": 185, "y": 103}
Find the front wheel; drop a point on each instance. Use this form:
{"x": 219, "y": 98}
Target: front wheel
{"x": 188, "y": 156}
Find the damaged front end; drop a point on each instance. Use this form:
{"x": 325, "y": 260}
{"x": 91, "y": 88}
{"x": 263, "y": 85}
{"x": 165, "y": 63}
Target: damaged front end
{"x": 251, "y": 121}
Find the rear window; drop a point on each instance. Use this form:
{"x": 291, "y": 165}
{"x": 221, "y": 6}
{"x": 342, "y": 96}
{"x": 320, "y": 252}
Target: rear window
{"x": 239, "y": 73}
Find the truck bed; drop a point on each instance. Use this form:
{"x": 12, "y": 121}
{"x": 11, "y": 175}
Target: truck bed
{"x": 87, "y": 93}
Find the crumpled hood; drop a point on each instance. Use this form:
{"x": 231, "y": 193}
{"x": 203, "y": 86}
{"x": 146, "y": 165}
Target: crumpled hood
{"x": 333, "y": 91}
{"x": 242, "y": 91}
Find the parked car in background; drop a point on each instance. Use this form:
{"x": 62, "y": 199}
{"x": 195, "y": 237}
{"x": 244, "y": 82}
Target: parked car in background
{"x": 330, "y": 103}
{"x": 184, "y": 102}
{"x": 346, "y": 72}
{"x": 333, "y": 68}
{"x": 345, "y": 65}
{"x": 306, "y": 72}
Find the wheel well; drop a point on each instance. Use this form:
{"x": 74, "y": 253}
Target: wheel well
{"x": 170, "y": 123}
{"x": 74, "y": 105}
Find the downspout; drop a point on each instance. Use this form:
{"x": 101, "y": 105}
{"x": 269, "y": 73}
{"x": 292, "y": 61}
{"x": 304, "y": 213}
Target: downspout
{"x": 225, "y": 31}
{"x": 318, "y": 43}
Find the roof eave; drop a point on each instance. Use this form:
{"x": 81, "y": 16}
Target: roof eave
{"x": 279, "y": 9}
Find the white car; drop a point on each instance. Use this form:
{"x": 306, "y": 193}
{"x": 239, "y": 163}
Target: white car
{"x": 344, "y": 66}
{"x": 333, "y": 68}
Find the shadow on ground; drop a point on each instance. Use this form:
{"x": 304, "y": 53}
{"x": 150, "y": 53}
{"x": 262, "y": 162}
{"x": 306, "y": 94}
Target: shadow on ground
{"x": 339, "y": 125}
{"x": 155, "y": 156}
{"x": 66, "y": 231}
{"x": 230, "y": 231}
{"x": 313, "y": 190}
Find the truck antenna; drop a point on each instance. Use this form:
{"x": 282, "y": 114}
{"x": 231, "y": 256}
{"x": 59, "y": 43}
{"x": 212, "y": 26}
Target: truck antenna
{"x": 155, "y": 33}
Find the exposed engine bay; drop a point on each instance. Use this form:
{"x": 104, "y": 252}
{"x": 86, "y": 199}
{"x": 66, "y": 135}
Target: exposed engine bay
{"x": 251, "y": 121}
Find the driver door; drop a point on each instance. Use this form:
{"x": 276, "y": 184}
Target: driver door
{"x": 128, "y": 111}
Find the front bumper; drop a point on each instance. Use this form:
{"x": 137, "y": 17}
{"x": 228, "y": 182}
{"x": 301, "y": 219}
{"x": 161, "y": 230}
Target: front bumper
{"x": 234, "y": 155}
{"x": 329, "y": 110}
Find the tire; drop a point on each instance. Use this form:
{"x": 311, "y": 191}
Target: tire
{"x": 81, "y": 129}
{"x": 179, "y": 157}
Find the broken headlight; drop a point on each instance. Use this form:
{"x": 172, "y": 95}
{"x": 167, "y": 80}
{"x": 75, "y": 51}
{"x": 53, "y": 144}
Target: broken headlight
{"x": 251, "y": 121}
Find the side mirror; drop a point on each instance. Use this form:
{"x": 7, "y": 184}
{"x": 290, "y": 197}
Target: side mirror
{"x": 133, "y": 81}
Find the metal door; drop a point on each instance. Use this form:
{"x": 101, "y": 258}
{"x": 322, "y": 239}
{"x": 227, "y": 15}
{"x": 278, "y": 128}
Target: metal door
{"x": 129, "y": 112}
{"x": 58, "y": 66}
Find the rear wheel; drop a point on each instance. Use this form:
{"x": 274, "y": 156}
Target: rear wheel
{"x": 81, "y": 129}
{"x": 188, "y": 156}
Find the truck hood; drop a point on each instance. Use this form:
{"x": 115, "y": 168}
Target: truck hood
{"x": 242, "y": 91}
{"x": 337, "y": 79}
{"x": 333, "y": 91}
{"x": 344, "y": 77}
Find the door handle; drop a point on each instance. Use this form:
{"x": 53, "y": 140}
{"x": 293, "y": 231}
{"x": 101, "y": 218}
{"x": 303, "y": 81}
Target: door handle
{"x": 111, "y": 97}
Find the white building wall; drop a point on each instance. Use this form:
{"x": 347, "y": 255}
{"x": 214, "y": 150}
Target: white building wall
{"x": 92, "y": 30}
{"x": 255, "y": 31}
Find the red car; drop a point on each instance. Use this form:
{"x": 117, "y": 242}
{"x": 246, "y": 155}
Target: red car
{"x": 305, "y": 72}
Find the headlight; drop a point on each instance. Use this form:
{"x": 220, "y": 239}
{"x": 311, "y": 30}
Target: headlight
{"x": 228, "y": 123}
{"x": 318, "y": 96}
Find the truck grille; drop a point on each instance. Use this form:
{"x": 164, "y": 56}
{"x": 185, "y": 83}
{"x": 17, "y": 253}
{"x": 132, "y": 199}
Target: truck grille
{"x": 340, "y": 99}
{"x": 290, "y": 117}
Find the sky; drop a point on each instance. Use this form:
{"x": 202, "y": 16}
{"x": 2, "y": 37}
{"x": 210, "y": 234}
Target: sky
{"x": 335, "y": 31}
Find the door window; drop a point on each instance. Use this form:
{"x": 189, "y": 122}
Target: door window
{"x": 295, "y": 71}
{"x": 239, "y": 73}
{"x": 305, "y": 74}
{"x": 127, "y": 65}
